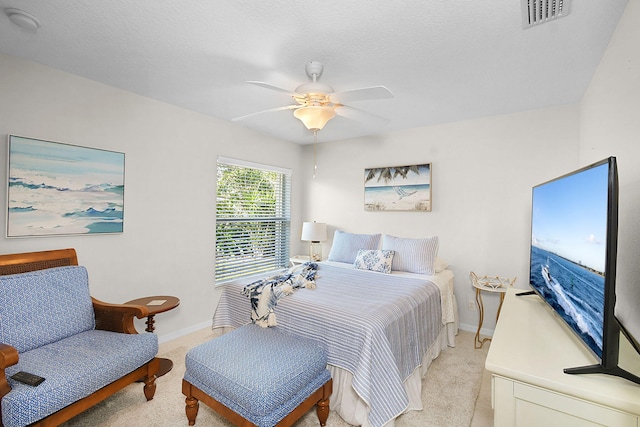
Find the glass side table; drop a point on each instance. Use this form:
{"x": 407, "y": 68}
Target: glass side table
{"x": 494, "y": 284}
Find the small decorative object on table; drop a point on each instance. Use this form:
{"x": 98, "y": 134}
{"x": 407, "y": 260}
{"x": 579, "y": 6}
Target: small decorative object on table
{"x": 495, "y": 284}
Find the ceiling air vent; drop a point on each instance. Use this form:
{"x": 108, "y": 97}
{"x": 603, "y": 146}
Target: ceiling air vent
{"x": 535, "y": 12}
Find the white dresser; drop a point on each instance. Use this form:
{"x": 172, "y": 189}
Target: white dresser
{"x": 530, "y": 347}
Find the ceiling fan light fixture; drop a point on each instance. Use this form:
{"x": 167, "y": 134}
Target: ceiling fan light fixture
{"x": 314, "y": 117}
{"x": 314, "y": 87}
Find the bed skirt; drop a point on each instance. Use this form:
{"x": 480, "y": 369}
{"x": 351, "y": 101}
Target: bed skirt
{"x": 351, "y": 408}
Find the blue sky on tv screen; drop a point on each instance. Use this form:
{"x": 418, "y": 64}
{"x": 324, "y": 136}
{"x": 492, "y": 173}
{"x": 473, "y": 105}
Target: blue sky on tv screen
{"x": 570, "y": 216}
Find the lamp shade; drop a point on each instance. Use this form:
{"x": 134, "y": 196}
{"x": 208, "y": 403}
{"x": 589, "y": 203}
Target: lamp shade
{"x": 314, "y": 231}
{"x": 314, "y": 117}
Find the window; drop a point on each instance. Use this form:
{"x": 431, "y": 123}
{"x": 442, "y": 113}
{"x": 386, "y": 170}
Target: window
{"x": 252, "y": 218}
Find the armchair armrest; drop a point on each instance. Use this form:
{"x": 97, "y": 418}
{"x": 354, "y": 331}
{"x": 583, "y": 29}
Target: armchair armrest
{"x": 8, "y": 357}
{"x": 117, "y": 317}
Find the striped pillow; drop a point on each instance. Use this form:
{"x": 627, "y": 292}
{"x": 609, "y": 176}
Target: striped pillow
{"x": 345, "y": 245}
{"x": 412, "y": 255}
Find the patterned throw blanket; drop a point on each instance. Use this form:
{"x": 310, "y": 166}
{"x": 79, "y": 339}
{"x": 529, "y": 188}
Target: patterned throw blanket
{"x": 265, "y": 293}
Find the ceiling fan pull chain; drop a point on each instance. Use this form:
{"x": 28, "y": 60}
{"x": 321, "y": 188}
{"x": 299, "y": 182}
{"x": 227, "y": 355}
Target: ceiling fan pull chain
{"x": 315, "y": 147}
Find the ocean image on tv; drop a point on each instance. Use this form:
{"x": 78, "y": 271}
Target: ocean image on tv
{"x": 568, "y": 251}
{"x": 57, "y": 189}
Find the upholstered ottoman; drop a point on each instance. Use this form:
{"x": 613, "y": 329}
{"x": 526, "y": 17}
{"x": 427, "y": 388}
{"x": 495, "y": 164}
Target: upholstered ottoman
{"x": 256, "y": 376}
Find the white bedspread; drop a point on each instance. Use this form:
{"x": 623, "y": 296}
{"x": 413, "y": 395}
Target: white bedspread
{"x": 376, "y": 326}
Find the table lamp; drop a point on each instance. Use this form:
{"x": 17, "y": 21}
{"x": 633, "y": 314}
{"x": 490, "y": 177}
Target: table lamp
{"x": 314, "y": 232}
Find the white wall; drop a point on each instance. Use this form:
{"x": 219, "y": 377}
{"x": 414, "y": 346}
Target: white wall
{"x": 610, "y": 125}
{"x": 168, "y": 242}
{"x": 482, "y": 174}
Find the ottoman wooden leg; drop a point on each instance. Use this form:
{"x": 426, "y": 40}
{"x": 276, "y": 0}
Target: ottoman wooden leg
{"x": 192, "y": 404}
{"x": 322, "y": 407}
{"x": 191, "y": 408}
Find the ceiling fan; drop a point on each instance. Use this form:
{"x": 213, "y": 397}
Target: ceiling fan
{"x": 316, "y": 103}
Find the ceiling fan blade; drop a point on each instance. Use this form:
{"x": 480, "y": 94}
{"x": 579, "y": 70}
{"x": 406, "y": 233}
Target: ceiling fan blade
{"x": 373, "y": 92}
{"x": 287, "y": 107}
{"x": 272, "y": 87}
{"x": 359, "y": 115}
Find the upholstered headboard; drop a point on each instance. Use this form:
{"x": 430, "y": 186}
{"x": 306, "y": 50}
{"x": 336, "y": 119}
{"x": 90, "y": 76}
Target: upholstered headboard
{"x": 32, "y": 261}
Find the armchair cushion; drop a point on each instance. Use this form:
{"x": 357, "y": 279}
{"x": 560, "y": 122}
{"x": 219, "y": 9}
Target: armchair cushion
{"x": 42, "y": 307}
{"x": 84, "y": 363}
{"x": 48, "y": 327}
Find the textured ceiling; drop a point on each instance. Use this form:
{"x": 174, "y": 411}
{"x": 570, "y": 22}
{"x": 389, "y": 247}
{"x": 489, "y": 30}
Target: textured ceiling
{"x": 445, "y": 60}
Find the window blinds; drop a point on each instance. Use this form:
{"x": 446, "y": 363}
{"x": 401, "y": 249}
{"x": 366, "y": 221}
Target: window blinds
{"x": 252, "y": 219}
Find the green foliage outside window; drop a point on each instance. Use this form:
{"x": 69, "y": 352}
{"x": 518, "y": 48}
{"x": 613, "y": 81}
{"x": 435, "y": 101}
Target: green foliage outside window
{"x": 252, "y": 221}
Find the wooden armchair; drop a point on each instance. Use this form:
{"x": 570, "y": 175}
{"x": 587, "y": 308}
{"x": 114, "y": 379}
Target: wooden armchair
{"x": 108, "y": 317}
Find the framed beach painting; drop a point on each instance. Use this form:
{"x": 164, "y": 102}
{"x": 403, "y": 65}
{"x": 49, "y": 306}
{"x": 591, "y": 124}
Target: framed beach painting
{"x": 63, "y": 189}
{"x": 398, "y": 188}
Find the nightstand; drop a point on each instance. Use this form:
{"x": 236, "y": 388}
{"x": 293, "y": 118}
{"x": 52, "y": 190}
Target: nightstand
{"x": 299, "y": 259}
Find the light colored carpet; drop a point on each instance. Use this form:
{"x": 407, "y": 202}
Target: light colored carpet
{"x": 449, "y": 393}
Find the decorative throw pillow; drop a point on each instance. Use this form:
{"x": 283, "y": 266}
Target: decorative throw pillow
{"x": 379, "y": 261}
{"x": 346, "y": 245}
{"x": 412, "y": 255}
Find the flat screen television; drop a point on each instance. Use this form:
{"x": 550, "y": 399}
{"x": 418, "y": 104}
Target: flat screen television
{"x": 574, "y": 235}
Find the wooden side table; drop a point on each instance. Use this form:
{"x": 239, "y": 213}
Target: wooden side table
{"x": 157, "y": 304}
{"x": 494, "y": 284}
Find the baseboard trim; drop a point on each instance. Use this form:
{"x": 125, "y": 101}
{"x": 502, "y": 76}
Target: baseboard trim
{"x": 471, "y": 328}
{"x": 182, "y": 332}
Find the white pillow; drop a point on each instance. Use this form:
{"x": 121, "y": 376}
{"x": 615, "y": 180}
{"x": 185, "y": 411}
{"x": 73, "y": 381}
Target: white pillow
{"x": 440, "y": 265}
{"x": 412, "y": 255}
{"x": 379, "y": 261}
{"x": 345, "y": 245}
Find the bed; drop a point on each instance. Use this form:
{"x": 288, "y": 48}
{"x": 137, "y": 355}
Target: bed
{"x": 381, "y": 331}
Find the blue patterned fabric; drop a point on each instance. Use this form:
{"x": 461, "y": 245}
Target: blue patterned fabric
{"x": 262, "y": 374}
{"x": 73, "y": 368}
{"x": 264, "y": 294}
{"x": 34, "y": 307}
{"x": 379, "y": 261}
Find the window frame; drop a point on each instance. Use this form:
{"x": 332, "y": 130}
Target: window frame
{"x": 243, "y": 263}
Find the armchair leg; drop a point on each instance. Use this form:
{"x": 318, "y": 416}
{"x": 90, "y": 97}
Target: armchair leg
{"x": 150, "y": 379}
{"x": 150, "y": 387}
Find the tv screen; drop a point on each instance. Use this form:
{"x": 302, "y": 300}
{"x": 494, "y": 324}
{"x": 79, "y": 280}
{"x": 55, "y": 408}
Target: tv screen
{"x": 569, "y": 236}
{"x": 574, "y": 238}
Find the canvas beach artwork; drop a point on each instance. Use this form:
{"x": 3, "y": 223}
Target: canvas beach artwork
{"x": 398, "y": 188}
{"x": 63, "y": 189}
